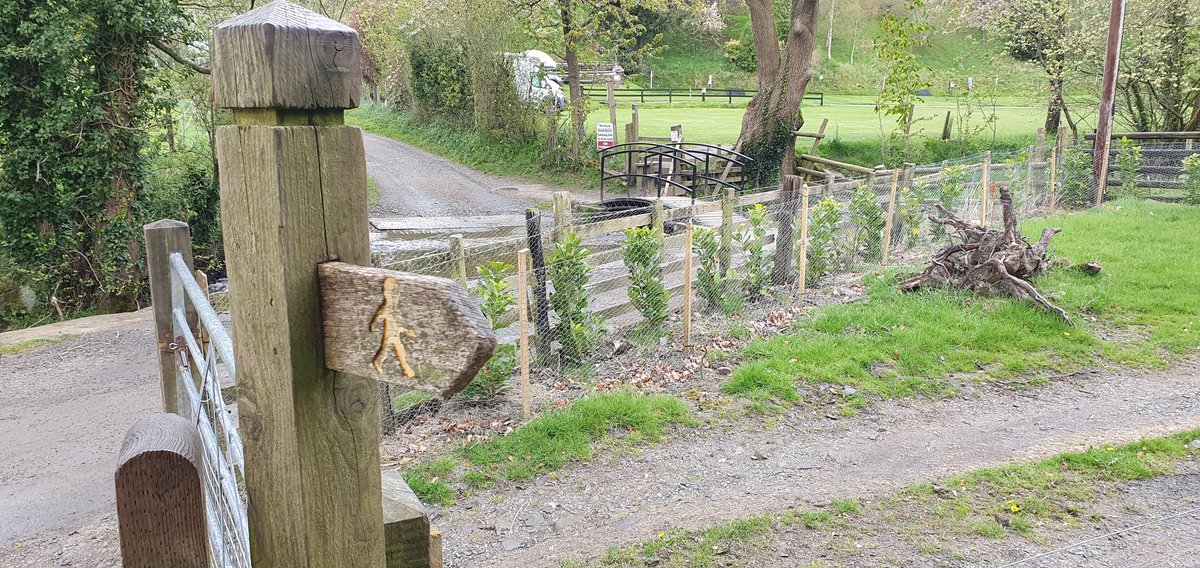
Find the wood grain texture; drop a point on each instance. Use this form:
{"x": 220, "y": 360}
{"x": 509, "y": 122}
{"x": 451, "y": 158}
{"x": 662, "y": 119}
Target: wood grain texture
{"x": 405, "y": 525}
{"x": 450, "y": 341}
{"x": 282, "y": 56}
{"x": 162, "y": 238}
{"x": 523, "y": 328}
{"x": 293, "y": 197}
{"x": 891, "y": 215}
{"x": 802, "y": 261}
{"x": 160, "y": 503}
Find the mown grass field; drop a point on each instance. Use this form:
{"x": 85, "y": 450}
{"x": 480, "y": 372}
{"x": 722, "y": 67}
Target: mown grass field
{"x": 894, "y": 344}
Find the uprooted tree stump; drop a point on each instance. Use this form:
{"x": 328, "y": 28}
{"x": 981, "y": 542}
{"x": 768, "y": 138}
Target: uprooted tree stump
{"x": 988, "y": 261}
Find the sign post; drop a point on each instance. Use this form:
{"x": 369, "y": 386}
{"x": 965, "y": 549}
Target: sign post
{"x": 605, "y": 135}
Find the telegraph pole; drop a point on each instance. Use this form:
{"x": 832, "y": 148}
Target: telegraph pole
{"x": 1112, "y": 59}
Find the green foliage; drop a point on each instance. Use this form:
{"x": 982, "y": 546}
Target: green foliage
{"x": 493, "y": 290}
{"x": 910, "y": 211}
{"x": 578, "y": 331}
{"x": 867, "y": 216}
{"x": 950, "y": 194}
{"x": 758, "y": 262}
{"x": 441, "y": 83}
{"x": 899, "y": 36}
{"x": 76, "y": 92}
{"x": 1191, "y": 179}
{"x": 1129, "y": 159}
{"x": 643, "y": 255}
{"x": 721, "y": 290}
{"x": 1076, "y": 188}
{"x": 740, "y": 54}
{"x": 822, "y": 239}
{"x": 491, "y": 381}
{"x": 551, "y": 440}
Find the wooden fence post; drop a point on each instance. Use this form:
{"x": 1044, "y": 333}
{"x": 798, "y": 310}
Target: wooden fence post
{"x": 612, "y": 109}
{"x": 523, "y": 328}
{"x": 658, "y": 220}
{"x": 562, "y": 215}
{"x": 728, "y": 198}
{"x": 891, "y": 215}
{"x": 458, "y": 260}
{"x": 160, "y": 500}
{"x": 1102, "y": 182}
{"x": 785, "y": 221}
{"x": 1052, "y": 189}
{"x": 802, "y": 262}
{"x": 405, "y": 524}
{"x": 687, "y": 287}
{"x": 533, "y": 230}
{"x": 983, "y": 188}
{"x": 634, "y": 121}
{"x": 293, "y": 195}
{"x": 830, "y": 179}
{"x": 162, "y": 238}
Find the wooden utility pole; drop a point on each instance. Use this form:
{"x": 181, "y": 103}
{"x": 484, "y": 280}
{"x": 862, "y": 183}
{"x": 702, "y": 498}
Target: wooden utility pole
{"x": 1108, "y": 88}
{"x": 293, "y": 195}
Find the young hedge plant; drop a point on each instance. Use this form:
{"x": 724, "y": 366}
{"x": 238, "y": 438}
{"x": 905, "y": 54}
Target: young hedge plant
{"x": 642, "y": 251}
{"x": 578, "y": 332}
{"x": 1191, "y": 179}
{"x": 753, "y": 243}
{"x": 867, "y": 216}
{"x": 495, "y": 300}
{"x": 722, "y": 291}
{"x": 822, "y": 240}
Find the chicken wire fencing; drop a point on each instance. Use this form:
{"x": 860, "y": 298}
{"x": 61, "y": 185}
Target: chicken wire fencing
{"x": 599, "y": 283}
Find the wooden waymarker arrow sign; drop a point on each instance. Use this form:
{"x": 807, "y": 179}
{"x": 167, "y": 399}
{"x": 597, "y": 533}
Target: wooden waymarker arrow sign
{"x": 422, "y": 332}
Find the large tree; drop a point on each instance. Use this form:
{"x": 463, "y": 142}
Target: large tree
{"x": 773, "y": 115}
{"x": 75, "y": 97}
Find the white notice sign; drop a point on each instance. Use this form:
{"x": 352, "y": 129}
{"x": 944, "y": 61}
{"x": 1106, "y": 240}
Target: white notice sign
{"x": 605, "y": 136}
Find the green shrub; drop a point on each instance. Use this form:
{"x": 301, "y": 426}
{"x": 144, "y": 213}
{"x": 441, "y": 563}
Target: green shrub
{"x": 822, "y": 240}
{"x": 1129, "y": 160}
{"x": 1077, "y": 188}
{"x": 440, "y": 76}
{"x": 491, "y": 381}
{"x": 578, "y": 332}
{"x": 740, "y": 54}
{"x": 910, "y": 211}
{"x": 753, "y": 243}
{"x": 643, "y": 255}
{"x": 867, "y": 216}
{"x": 495, "y": 297}
{"x": 1191, "y": 179}
{"x": 721, "y": 290}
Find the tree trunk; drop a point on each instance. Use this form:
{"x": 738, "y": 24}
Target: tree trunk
{"x": 773, "y": 115}
{"x": 571, "y": 54}
{"x": 1054, "y": 108}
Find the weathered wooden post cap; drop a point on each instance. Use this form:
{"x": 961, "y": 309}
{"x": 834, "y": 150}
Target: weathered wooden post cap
{"x": 282, "y": 56}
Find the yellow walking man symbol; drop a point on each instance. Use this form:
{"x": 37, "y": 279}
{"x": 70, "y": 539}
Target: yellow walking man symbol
{"x": 387, "y": 315}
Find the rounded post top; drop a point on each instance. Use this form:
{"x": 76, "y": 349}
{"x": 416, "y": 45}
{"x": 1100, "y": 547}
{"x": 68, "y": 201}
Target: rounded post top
{"x": 283, "y": 56}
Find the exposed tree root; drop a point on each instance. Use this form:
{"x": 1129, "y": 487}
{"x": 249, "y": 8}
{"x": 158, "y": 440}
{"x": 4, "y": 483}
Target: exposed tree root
{"x": 989, "y": 261}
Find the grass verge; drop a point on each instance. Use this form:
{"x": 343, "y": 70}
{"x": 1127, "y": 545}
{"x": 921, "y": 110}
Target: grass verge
{"x": 895, "y": 345}
{"x": 1026, "y": 499}
{"x": 15, "y": 348}
{"x": 517, "y": 158}
{"x": 551, "y": 441}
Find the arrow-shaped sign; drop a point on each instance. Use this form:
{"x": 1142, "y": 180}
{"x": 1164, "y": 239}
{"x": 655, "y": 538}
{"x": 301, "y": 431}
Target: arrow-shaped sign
{"x": 422, "y": 332}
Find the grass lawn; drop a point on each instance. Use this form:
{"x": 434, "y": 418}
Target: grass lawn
{"x": 893, "y": 344}
{"x": 1025, "y": 499}
{"x": 851, "y": 119}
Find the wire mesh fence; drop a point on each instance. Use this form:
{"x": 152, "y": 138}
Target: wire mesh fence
{"x": 601, "y": 283}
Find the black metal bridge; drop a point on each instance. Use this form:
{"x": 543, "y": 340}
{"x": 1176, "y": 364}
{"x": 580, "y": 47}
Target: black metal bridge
{"x": 645, "y": 169}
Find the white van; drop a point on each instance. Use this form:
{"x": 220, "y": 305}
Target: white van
{"x": 536, "y": 76}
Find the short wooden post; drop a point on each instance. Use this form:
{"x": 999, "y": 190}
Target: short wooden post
{"x": 293, "y": 196}
{"x": 1052, "y": 188}
{"x": 533, "y": 230}
{"x": 458, "y": 260}
{"x": 405, "y": 525}
{"x": 830, "y": 180}
{"x": 658, "y": 220}
{"x": 523, "y": 328}
{"x": 891, "y": 215}
{"x": 728, "y": 199}
{"x": 983, "y": 188}
{"x": 160, "y": 502}
{"x": 802, "y": 262}
{"x": 687, "y": 288}
{"x": 162, "y": 238}
{"x": 785, "y": 220}
{"x": 612, "y": 108}
{"x": 562, "y": 215}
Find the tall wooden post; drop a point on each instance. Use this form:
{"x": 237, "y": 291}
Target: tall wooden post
{"x": 634, "y": 121}
{"x": 1108, "y": 89}
{"x": 612, "y": 109}
{"x": 163, "y": 238}
{"x": 562, "y": 215}
{"x": 523, "y": 328}
{"x": 658, "y": 220}
{"x": 983, "y": 188}
{"x": 293, "y": 195}
{"x": 891, "y": 215}
{"x": 687, "y": 287}
{"x": 160, "y": 502}
{"x": 802, "y": 261}
{"x": 728, "y": 198}
{"x": 785, "y": 220}
{"x": 533, "y": 230}
{"x": 1051, "y": 190}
